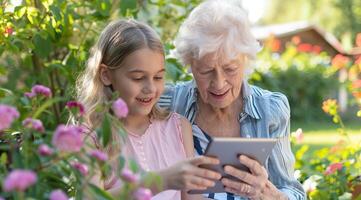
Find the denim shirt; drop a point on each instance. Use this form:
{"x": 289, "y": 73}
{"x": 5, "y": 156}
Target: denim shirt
{"x": 265, "y": 115}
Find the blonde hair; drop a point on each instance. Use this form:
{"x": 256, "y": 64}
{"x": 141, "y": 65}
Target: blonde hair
{"x": 118, "y": 40}
{"x": 216, "y": 26}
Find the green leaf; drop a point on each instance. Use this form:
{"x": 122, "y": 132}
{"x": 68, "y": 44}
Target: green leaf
{"x": 5, "y": 92}
{"x": 45, "y": 105}
{"x": 126, "y": 5}
{"x": 133, "y": 165}
{"x": 99, "y": 193}
{"x": 42, "y": 46}
{"x": 359, "y": 113}
{"x": 19, "y": 11}
{"x": 121, "y": 162}
{"x": 106, "y": 130}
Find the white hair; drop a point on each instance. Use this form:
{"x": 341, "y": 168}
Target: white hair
{"x": 216, "y": 26}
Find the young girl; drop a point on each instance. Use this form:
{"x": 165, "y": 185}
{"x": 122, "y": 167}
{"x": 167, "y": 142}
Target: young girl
{"x": 129, "y": 59}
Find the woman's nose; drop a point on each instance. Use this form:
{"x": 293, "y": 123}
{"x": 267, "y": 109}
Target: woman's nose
{"x": 219, "y": 80}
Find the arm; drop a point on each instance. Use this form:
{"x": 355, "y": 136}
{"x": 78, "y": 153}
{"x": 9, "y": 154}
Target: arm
{"x": 278, "y": 182}
{"x": 186, "y": 129}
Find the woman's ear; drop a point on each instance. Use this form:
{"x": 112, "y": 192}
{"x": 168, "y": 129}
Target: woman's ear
{"x": 105, "y": 75}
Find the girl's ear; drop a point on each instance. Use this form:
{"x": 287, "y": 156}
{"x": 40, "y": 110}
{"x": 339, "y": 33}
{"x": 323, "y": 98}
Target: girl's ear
{"x": 105, "y": 75}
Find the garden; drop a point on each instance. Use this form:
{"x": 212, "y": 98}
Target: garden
{"x": 44, "y": 45}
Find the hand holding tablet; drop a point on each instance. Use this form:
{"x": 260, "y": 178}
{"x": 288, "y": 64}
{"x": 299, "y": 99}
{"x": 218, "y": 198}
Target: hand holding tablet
{"x": 227, "y": 150}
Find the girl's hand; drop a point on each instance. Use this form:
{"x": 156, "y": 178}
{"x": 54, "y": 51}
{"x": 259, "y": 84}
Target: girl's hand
{"x": 187, "y": 174}
{"x": 254, "y": 185}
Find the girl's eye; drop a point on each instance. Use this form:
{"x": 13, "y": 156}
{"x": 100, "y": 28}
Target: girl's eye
{"x": 137, "y": 78}
{"x": 158, "y": 77}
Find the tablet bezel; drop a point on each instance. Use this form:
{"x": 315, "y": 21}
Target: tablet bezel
{"x": 227, "y": 151}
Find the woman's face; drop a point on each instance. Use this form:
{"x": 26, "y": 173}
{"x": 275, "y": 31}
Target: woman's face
{"x": 218, "y": 80}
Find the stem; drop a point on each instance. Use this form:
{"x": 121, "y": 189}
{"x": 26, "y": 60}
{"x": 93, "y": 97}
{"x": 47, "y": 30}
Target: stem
{"x": 55, "y": 108}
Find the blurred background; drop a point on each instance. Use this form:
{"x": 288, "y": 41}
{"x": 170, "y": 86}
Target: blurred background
{"x": 311, "y": 53}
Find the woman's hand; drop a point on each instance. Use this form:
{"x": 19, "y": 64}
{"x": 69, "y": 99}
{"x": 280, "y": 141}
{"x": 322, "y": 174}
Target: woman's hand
{"x": 187, "y": 174}
{"x": 254, "y": 185}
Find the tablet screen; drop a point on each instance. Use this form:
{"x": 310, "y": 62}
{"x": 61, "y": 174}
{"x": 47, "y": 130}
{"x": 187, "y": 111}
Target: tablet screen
{"x": 227, "y": 150}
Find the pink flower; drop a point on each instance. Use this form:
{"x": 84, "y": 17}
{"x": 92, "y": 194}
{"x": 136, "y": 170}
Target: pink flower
{"x": 45, "y": 150}
{"x": 75, "y": 104}
{"x": 129, "y": 176}
{"x": 2, "y": 198}
{"x": 9, "y": 31}
{"x": 298, "y": 134}
{"x": 33, "y": 124}
{"x": 101, "y": 156}
{"x": 120, "y": 108}
{"x": 68, "y": 138}
{"x": 82, "y": 168}
{"x": 333, "y": 168}
{"x": 38, "y": 90}
{"x": 19, "y": 180}
{"x": 58, "y": 195}
{"x": 7, "y": 115}
{"x": 143, "y": 194}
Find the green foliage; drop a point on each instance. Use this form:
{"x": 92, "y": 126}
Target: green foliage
{"x": 305, "y": 78}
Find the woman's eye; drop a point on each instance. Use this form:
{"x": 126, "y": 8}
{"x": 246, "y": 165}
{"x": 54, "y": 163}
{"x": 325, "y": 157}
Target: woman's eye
{"x": 206, "y": 72}
{"x": 230, "y": 70}
{"x": 158, "y": 77}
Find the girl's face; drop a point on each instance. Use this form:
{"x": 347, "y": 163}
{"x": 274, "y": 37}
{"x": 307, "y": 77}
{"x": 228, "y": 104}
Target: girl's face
{"x": 139, "y": 80}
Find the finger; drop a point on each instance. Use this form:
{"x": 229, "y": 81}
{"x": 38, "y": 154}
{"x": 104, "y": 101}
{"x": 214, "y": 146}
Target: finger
{"x": 204, "y": 160}
{"x": 241, "y": 175}
{"x": 238, "y": 187}
{"x": 201, "y": 181}
{"x": 205, "y": 173}
{"x": 253, "y": 165}
{"x": 191, "y": 186}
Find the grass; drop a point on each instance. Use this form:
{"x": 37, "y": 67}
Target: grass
{"x": 324, "y": 134}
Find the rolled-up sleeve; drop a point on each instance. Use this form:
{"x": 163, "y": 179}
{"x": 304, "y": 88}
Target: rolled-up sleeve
{"x": 281, "y": 162}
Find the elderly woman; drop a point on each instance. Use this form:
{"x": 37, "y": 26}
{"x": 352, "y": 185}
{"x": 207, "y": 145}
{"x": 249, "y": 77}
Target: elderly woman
{"x": 215, "y": 40}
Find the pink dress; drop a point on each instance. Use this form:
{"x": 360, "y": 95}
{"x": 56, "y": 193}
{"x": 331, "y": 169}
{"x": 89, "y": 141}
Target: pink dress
{"x": 159, "y": 147}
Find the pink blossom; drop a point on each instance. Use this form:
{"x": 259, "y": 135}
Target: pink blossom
{"x": 129, "y": 176}
{"x": 45, "y": 150}
{"x": 298, "y": 134}
{"x": 101, "y": 156}
{"x": 68, "y": 138}
{"x": 143, "y": 194}
{"x": 120, "y": 108}
{"x": 82, "y": 168}
{"x": 38, "y": 90}
{"x": 2, "y": 198}
{"x": 75, "y": 104}
{"x": 58, "y": 195}
{"x": 9, "y": 31}
{"x": 333, "y": 168}
{"x": 7, "y": 115}
{"x": 33, "y": 124}
{"x": 19, "y": 180}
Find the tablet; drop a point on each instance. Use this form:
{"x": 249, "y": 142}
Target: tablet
{"x": 227, "y": 151}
